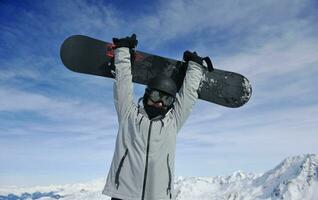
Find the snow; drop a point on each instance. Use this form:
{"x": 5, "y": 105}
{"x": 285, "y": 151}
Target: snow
{"x": 295, "y": 178}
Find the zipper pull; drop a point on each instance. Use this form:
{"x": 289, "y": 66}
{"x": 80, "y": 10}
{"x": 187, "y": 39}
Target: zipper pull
{"x": 169, "y": 192}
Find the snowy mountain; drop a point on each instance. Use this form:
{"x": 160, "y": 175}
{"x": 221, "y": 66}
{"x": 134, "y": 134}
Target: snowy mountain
{"x": 296, "y": 178}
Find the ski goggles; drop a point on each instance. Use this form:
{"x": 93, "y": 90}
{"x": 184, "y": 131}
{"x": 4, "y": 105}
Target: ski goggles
{"x": 157, "y": 96}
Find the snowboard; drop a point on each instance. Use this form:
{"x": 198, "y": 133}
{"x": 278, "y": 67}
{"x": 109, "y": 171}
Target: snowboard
{"x": 87, "y": 55}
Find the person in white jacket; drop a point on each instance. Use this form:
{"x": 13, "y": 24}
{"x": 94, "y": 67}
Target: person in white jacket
{"x": 143, "y": 162}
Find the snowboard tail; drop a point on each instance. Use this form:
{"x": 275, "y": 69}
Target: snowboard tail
{"x": 87, "y": 55}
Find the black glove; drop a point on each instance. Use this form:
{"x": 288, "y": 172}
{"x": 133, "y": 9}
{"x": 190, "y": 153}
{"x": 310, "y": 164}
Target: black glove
{"x": 188, "y": 56}
{"x": 130, "y": 42}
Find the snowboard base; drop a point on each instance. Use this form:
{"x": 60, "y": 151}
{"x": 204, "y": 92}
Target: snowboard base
{"x": 87, "y": 55}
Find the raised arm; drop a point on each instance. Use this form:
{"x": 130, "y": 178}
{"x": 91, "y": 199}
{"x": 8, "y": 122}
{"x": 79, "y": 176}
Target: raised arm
{"x": 188, "y": 94}
{"x": 123, "y": 86}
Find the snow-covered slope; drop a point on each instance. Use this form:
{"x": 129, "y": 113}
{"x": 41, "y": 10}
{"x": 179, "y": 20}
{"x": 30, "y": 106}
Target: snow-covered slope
{"x": 293, "y": 179}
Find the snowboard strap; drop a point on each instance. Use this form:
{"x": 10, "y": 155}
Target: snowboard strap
{"x": 209, "y": 63}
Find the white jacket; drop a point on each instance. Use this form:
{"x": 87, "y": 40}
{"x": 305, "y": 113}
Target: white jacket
{"x": 143, "y": 163}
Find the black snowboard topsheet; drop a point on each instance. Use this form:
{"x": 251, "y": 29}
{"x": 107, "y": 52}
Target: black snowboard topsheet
{"x": 87, "y": 55}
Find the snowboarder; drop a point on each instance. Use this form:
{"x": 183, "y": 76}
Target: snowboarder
{"x": 144, "y": 157}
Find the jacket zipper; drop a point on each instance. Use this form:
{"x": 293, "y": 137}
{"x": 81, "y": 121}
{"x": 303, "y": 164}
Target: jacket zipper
{"x": 169, "y": 183}
{"x": 146, "y": 166}
{"x": 119, "y": 169}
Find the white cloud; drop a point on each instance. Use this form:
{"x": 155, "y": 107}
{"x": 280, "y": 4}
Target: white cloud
{"x": 85, "y": 121}
{"x": 15, "y": 100}
{"x": 276, "y": 57}
{"x": 194, "y": 19}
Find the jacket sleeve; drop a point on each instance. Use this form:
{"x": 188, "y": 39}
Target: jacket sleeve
{"x": 188, "y": 94}
{"x": 123, "y": 86}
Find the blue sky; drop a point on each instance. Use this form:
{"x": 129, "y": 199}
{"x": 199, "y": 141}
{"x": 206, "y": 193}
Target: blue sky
{"x": 59, "y": 127}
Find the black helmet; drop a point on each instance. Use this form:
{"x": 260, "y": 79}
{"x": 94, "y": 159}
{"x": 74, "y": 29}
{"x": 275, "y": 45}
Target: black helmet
{"x": 164, "y": 84}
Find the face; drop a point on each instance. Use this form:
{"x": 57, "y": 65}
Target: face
{"x": 159, "y": 99}
{"x": 156, "y": 103}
